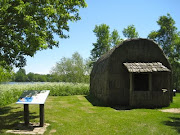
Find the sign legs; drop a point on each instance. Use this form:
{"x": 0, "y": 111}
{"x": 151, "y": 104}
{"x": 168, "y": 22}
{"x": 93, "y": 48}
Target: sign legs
{"x": 41, "y": 114}
{"x": 26, "y": 114}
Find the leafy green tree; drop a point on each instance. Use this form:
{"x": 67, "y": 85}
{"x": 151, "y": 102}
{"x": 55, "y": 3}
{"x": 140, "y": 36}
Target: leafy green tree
{"x": 115, "y": 38}
{"x": 27, "y": 26}
{"x": 50, "y": 78}
{"x": 20, "y": 76}
{"x": 166, "y": 35}
{"x": 103, "y": 41}
{"x": 31, "y": 77}
{"x": 130, "y": 32}
{"x": 176, "y": 74}
{"x": 5, "y": 74}
{"x": 87, "y": 67}
{"x": 36, "y": 77}
{"x": 63, "y": 69}
{"x": 70, "y": 69}
{"x": 41, "y": 78}
{"x": 78, "y": 67}
{"x": 169, "y": 39}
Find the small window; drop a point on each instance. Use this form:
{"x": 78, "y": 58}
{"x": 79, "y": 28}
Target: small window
{"x": 141, "y": 82}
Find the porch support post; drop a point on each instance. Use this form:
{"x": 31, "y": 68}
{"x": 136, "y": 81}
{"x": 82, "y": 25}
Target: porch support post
{"x": 150, "y": 82}
{"x": 131, "y": 88}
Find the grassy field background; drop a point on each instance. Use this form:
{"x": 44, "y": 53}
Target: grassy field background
{"x": 75, "y": 115}
{"x": 10, "y": 93}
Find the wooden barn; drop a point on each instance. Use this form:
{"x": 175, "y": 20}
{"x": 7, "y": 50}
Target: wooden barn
{"x": 136, "y": 73}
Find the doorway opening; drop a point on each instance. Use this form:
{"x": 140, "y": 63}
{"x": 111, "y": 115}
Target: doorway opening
{"x": 141, "y": 82}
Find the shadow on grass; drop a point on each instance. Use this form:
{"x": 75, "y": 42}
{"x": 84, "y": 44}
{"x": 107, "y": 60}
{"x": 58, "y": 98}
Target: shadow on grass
{"x": 94, "y": 101}
{"x": 119, "y": 108}
{"x": 10, "y": 118}
{"x": 174, "y": 123}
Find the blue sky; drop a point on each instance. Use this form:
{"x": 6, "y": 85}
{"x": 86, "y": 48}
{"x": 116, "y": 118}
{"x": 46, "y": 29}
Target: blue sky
{"x": 118, "y": 14}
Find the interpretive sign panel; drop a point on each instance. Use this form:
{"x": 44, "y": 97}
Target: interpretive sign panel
{"x": 33, "y": 97}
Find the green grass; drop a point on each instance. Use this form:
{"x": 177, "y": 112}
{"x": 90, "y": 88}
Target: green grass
{"x": 176, "y": 102}
{"x": 10, "y": 93}
{"x": 75, "y": 115}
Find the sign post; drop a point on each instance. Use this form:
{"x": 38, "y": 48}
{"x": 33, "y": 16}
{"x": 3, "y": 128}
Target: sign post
{"x": 41, "y": 114}
{"x": 33, "y": 97}
{"x": 26, "y": 114}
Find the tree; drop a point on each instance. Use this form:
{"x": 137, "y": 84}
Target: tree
{"x": 166, "y": 35}
{"x": 20, "y": 76}
{"x": 5, "y": 74}
{"x": 103, "y": 41}
{"x": 31, "y": 77}
{"x": 87, "y": 67}
{"x": 130, "y": 32}
{"x": 70, "y": 69}
{"x": 27, "y": 26}
{"x": 41, "y": 78}
{"x": 169, "y": 40}
{"x": 115, "y": 38}
{"x": 176, "y": 74}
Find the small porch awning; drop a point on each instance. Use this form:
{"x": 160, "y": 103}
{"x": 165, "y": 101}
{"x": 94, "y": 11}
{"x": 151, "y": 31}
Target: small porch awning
{"x": 139, "y": 67}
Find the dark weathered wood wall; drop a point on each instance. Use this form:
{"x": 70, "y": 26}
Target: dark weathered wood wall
{"x": 110, "y": 80}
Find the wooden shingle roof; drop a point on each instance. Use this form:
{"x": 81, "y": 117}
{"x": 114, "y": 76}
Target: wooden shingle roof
{"x": 146, "y": 67}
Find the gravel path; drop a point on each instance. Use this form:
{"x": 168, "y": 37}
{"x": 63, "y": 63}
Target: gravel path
{"x": 172, "y": 110}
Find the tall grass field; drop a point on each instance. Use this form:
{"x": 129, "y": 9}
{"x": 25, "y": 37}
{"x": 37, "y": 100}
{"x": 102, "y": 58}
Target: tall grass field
{"x": 10, "y": 93}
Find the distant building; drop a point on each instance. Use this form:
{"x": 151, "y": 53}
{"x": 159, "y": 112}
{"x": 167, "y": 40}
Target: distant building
{"x": 135, "y": 73}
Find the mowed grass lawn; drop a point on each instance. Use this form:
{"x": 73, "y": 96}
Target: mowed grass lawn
{"x": 75, "y": 115}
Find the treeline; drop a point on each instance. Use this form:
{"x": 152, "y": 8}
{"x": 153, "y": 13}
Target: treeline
{"x": 21, "y": 76}
{"x": 74, "y": 69}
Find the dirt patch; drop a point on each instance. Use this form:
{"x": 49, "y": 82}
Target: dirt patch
{"x": 52, "y": 131}
{"x": 172, "y": 110}
{"x": 33, "y": 128}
